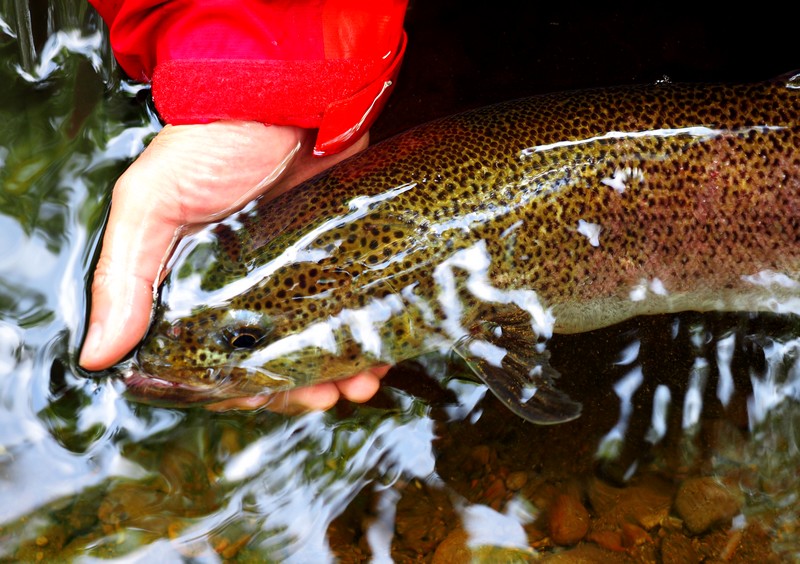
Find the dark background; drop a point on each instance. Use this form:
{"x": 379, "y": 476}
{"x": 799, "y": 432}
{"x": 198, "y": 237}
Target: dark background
{"x": 460, "y": 57}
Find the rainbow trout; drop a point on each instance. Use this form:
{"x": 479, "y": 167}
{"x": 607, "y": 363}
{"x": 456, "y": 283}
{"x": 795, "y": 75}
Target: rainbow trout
{"x": 483, "y": 234}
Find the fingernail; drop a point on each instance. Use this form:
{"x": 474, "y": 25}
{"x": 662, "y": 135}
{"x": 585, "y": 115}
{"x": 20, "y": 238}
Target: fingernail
{"x": 91, "y": 344}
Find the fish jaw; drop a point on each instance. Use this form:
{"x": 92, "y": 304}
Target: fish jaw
{"x": 195, "y": 386}
{"x": 154, "y": 378}
{"x": 150, "y": 389}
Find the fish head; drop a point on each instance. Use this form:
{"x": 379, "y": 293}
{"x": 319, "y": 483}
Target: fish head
{"x": 276, "y": 335}
{"x": 196, "y": 357}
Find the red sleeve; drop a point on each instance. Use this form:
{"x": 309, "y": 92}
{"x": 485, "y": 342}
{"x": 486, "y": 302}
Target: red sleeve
{"x": 327, "y": 64}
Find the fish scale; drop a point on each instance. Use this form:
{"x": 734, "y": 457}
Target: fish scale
{"x": 485, "y": 232}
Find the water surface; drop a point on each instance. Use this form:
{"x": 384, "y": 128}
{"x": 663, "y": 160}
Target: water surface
{"x": 431, "y": 464}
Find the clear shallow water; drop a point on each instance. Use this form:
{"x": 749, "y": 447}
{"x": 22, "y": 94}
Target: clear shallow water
{"x": 86, "y": 474}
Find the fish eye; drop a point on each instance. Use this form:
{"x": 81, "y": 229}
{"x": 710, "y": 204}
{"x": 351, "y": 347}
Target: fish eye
{"x": 243, "y": 330}
{"x": 245, "y": 338}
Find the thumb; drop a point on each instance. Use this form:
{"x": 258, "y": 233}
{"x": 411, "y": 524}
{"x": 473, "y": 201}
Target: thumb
{"x": 134, "y": 245}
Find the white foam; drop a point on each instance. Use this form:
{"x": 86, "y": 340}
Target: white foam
{"x": 621, "y": 176}
{"x": 364, "y": 322}
{"x": 591, "y": 231}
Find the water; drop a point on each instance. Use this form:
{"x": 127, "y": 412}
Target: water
{"x": 87, "y": 475}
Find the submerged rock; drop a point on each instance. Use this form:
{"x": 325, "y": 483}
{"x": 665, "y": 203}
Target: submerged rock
{"x": 704, "y": 502}
{"x": 569, "y": 519}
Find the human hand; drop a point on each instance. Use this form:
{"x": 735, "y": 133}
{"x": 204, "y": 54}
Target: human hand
{"x": 190, "y": 175}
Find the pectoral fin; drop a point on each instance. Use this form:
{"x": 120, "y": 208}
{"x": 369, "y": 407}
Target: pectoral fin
{"x": 503, "y": 354}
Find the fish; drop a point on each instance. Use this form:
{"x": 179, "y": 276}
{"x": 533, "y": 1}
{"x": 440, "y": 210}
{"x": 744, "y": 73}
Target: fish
{"x": 483, "y": 234}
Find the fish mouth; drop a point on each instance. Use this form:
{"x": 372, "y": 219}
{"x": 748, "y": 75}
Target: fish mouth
{"x": 151, "y": 389}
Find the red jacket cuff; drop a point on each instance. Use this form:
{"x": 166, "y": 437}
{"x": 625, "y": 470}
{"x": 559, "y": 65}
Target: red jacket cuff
{"x": 340, "y": 97}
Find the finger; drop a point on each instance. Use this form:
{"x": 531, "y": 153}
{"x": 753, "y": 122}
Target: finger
{"x": 363, "y": 386}
{"x": 319, "y": 397}
{"x": 135, "y": 242}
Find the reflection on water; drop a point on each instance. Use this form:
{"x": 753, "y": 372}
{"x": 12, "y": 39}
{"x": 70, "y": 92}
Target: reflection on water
{"x": 430, "y": 469}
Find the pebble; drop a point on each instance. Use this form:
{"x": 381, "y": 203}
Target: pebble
{"x": 646, "y": 503}
{"x": 608, "y": 539}
{"x": 703, "y": 503}
{"x": 569, "y": 520}
{"x": 633, "y": 535}
{"x": 453, "y": 549}
{"x": 516, "y": 480}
